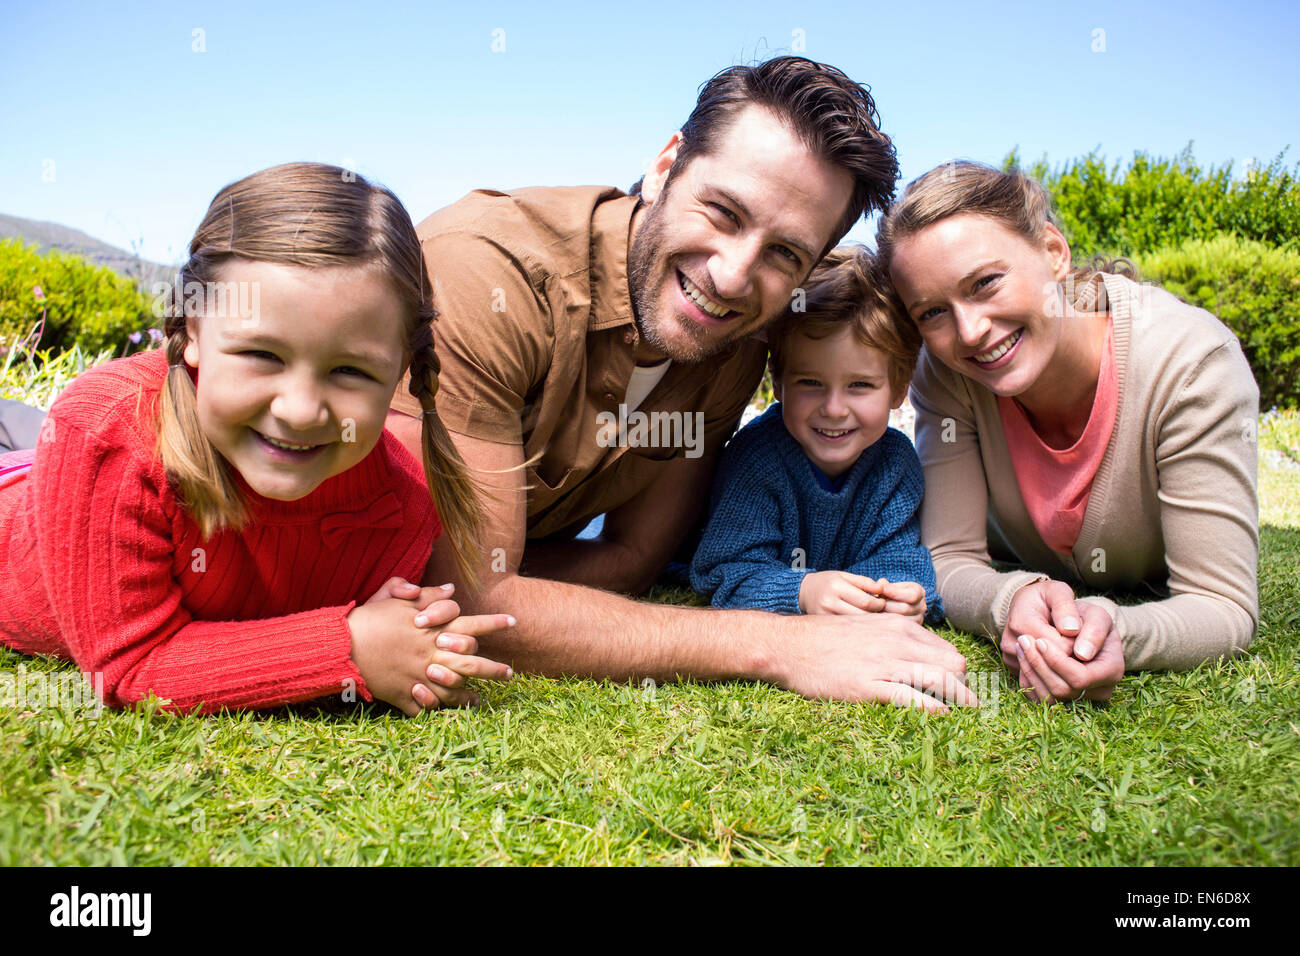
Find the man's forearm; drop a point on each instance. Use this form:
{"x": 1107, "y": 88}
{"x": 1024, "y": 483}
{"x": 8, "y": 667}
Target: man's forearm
{"x": 591, "y": 562}
{"x": 568, "y": 629}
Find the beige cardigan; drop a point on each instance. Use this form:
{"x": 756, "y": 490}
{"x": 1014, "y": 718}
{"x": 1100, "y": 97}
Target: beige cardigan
{"x": 1173, "y": 509}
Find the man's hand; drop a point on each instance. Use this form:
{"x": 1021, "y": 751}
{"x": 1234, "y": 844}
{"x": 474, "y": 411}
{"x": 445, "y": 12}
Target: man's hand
{"x": 884, "y": 658}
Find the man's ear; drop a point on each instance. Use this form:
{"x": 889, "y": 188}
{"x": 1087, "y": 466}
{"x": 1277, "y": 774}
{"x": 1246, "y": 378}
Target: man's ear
{"x": 192, "y": 341}
{"x": 655, "y": 177}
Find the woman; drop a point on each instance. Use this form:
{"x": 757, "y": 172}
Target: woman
{"x": 1095, "y": 431}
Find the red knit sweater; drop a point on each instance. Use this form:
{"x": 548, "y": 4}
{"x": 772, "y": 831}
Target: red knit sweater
{"x": 99, "y": 561}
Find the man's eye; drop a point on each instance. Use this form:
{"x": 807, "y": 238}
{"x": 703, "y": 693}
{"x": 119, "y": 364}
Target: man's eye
{"x": 787, "y": 253}
{"x": 735, "y": 220}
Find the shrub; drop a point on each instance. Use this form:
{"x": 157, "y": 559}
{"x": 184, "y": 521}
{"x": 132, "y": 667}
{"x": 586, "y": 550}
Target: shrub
{"x": 1158, "y": 203}
{"x": 85, "y": 305}
{"x": 1253, "y": 288}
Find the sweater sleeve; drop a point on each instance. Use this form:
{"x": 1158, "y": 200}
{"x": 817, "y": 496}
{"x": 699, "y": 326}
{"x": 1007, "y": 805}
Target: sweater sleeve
{"x": 1206, "y": 459}
{"x": 740, "y": 559}
{"x": 894, "y": 550}
{"x": 954, "y": 513}
{"x": 105, "y": 546}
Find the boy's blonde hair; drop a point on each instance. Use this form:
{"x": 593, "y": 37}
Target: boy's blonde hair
{"x": 847, "y": 289}
{"x": 313, "y": 215}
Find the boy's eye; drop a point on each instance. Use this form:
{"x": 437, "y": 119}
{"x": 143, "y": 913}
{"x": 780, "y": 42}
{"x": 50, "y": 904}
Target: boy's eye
{"x": 863, "y": 385}
{"x": 810, "y": 382}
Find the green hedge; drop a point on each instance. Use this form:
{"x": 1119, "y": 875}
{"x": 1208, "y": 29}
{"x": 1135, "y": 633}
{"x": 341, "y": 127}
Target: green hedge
{"x": 86, "y": 305}
{"x": 1156, "y": 203}
{"x": 1254, "y": 289}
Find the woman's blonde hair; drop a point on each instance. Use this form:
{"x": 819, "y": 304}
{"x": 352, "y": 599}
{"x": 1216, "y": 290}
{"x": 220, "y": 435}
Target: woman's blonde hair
{"x": 313, "y": 215}
{"x": 1017, "y": 201}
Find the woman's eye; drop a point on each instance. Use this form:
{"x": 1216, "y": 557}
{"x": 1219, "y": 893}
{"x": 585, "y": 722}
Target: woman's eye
{"x": 929, "y": 314}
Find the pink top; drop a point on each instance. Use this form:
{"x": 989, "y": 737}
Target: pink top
{"x": 1055, "y": 482}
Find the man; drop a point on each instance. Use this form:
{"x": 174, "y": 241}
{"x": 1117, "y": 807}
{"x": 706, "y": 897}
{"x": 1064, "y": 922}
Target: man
{"x": 563, "y": 312}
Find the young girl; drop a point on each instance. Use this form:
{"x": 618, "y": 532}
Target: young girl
{"x": 224, "y": 523}
{"x": 1096, "y": 431}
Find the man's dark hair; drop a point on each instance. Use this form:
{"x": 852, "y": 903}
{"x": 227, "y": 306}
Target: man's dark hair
{"x": 835, "y": 117}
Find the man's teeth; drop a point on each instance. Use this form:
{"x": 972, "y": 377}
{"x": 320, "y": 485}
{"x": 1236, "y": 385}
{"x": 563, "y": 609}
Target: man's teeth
{"x": 1000, "y": 351}
{"x": 286, "y": 445}
{"x": 702, "y": 300}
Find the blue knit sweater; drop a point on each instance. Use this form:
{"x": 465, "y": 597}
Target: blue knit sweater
{"x": 771, "y": 521}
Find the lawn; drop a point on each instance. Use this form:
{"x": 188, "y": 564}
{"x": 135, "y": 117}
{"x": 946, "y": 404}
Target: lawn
{"x": 1193, "y": 768}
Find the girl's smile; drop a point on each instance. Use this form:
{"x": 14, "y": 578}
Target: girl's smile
{"x": 299, "y": 392}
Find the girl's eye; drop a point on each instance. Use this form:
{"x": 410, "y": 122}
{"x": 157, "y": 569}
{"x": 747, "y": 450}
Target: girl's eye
{"x": 352, "y": 370}
{"x": 261, "y": 354}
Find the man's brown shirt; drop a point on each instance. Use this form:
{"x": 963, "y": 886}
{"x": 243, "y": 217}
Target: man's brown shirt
{"x": 536, "y": 340}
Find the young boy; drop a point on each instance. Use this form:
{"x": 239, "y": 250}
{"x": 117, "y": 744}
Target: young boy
{"x": 816, "y": 505}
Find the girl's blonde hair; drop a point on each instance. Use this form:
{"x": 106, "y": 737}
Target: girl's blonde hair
{"x": 313, "y": 215}
{"x": 1009, "y": 197}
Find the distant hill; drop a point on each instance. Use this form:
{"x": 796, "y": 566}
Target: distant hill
{"x": 50, "y": 235}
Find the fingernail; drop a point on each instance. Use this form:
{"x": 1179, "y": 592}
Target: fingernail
{"x": 1020, "y": 651}
{"x": 1070, "y": 623}
{"x": 510, "y": 672}
{"x": 1025, "y": 642}
{"x": 446, "y": 641}
{"x": 1042, "y": 645}
{"x": 446, "y": 587}
{"x": 511, "y": 621}
{"x": 436, "y": 673}
{"x": 421, "y": 621}
{"x": 1082, "y": 649}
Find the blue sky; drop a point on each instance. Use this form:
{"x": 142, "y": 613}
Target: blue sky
{"x": 117, "y": 125}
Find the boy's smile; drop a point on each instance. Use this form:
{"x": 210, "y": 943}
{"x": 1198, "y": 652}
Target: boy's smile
{"x": 835, "y": 398}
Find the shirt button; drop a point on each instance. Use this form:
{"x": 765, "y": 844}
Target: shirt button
{"x": 609, "y": 396}
{"x": 629, "y": 336}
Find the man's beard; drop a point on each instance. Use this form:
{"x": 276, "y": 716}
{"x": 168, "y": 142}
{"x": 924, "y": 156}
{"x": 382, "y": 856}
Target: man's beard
{"x": 645, "y": 253}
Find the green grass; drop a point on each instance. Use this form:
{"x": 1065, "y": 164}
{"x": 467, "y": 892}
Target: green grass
{"x": 1193, "y": 768}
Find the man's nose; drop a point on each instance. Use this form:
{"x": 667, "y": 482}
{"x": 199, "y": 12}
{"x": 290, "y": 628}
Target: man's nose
{"x": 732, "y": 269}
